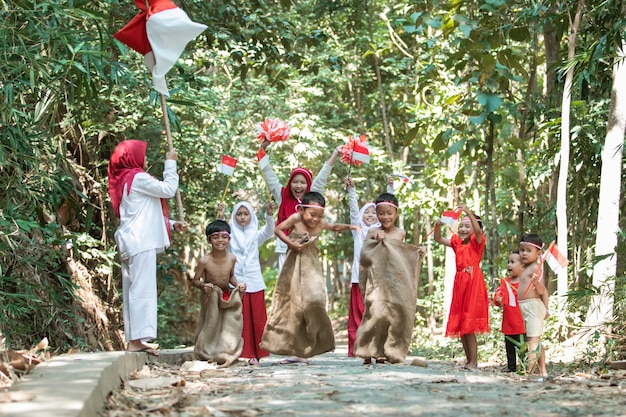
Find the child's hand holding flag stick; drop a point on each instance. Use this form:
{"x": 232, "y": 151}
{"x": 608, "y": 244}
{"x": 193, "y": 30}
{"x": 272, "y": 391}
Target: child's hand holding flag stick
{"x": 264, "y": 161}
{"x": 447, "y": 217}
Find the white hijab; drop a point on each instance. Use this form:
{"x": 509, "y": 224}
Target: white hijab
{"x": 365, "y": 228}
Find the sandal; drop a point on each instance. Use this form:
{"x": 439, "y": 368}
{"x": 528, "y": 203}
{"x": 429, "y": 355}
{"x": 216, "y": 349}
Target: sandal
{"x": 254, "y": 362}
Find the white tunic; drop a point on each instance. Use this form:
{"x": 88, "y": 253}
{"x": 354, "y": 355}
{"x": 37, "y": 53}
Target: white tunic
{"x": 244, "y": 244}
{"x": 142, "y": 227}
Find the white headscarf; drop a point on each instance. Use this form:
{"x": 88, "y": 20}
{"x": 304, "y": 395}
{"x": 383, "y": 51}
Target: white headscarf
{"x": 364, "y": 227}
{"x": 243, "y": 241}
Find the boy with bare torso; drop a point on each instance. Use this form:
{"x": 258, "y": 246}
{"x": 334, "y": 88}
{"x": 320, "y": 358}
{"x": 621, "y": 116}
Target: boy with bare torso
{"x": 298, "y": 325}
{"x": 217, "y": 268}
{"x": 220, "y": 323}
{"x": 533, "y": 299}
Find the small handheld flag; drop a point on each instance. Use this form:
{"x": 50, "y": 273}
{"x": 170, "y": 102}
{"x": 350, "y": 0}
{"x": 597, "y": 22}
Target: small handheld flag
{"x": 360, "y": 153}
{"x": 228, "y": 165}
{"x": 555, "y": 259}
{"x": 450, "y": 217}
{"x": 355, "y": 151}
{"x": 263, "y": 159}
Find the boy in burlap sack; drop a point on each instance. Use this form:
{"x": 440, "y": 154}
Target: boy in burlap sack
{"x": 298, "y": 324}
{"x": 389, "y": 273}
{"x": 218, "y": 333}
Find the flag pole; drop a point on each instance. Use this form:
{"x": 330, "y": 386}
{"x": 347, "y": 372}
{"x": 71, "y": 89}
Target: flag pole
{"x": 170, "y": 145}
{"x": 226, "y": 188}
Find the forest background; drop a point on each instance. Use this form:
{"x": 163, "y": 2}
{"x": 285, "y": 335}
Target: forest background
{"x": 502, "y": 104}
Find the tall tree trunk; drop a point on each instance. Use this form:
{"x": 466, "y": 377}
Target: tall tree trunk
{"x": 493, "y": 243}
{"x": 601, "y": 308}
{"x": 561, "y": 199}
{"x": 379, "y": 81}
{"x": 531, "y": 88}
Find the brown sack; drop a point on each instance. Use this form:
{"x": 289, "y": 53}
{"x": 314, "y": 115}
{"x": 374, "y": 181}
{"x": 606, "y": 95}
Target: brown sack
{"x": 218, "y": 333}
{"x": 298, "y": 324}
{"x": 388, "y": 275}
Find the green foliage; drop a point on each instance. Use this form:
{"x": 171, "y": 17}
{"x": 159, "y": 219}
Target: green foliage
{"x": 423, "y": 80}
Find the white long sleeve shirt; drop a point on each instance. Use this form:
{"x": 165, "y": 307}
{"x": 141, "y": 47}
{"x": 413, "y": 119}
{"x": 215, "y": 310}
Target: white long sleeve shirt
{"x": 142, "y": 225}
{"x": 244, "y": 244}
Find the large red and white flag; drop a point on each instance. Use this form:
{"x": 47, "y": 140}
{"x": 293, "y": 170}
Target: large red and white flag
{"x": 360, "y": 153}
{"x": 160, "y": 33}
{"x": 228, "y": 165}
{"x": 555, "y": 259}
{"x": 263, "y": 159}
{"x": 450, "y": 217}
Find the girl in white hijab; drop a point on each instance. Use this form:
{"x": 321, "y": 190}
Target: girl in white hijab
{"x": 366, "y": 218}
{"x": 246, "y": 237}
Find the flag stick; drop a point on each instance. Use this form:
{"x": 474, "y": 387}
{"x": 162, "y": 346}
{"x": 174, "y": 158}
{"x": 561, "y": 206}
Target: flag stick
{"x": 226, "y": 189}
{"x": 170, "y": 145}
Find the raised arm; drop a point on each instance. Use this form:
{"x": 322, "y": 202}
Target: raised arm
{"x": 437, "y": 235}
{"x": 478, "y": 232}
{"x": 319, "y": 182}
{"x": 271, "y": 179}
{"x": 268, "y": 230}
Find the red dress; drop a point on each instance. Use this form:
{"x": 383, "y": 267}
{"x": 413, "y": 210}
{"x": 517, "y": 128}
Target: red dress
{"x": 469, "y": 310}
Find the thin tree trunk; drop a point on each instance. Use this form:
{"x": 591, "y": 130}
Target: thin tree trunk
{"x": 601, "y": 308}
{"x": 561, "y": 199}
{"x": 381, "y": 93}
{"x": 493, "y": 243}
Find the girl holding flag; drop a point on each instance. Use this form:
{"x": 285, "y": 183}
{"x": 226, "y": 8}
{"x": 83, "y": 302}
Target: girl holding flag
{"x": 469, "y": 309}
{"x": 300, "y": 182}
{"x": 138, "y": 200}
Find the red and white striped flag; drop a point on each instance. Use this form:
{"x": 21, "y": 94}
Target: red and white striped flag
{"x": 360, "y": 153}
{"x": 160, "y": 33}
{"x": 450, "y": 217}
{"x": 555, "y": 259}
{"x": 228, "y": 165}
{"x": 263, "y": 159}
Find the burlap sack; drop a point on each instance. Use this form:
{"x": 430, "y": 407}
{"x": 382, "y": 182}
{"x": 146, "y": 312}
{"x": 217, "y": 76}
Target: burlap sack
{"x": 298, "y": 324}
{"x": 389, "y": 273}
{"x": 218, "y": 333}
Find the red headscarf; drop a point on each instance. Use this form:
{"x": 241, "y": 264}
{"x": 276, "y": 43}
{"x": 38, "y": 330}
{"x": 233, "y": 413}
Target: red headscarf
{"x": 127, "y": 161}
{"x": 288, "y": 201}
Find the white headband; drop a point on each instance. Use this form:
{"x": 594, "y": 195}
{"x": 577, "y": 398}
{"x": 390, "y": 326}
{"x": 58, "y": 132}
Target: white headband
{"x": 386, "y": 203}
{"x": 532, "y": 244}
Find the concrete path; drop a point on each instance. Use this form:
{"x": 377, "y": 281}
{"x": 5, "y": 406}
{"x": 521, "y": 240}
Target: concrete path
{"x": 332, "y": 385}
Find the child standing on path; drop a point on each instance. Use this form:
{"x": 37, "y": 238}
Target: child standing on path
{"x": 300, "y": 181}
{"x": 506, "y": 296}
{"x": 244, "y": 244}
{"x": 366, "y": 218}
{"x": 388, "y": 280}
{"x": 138, "y": 200}
{"x": 533, "y": 299}
{"x": 469, "y": 309}
{"x": 219, "y": 329}
{"x": 298, "y": 324}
